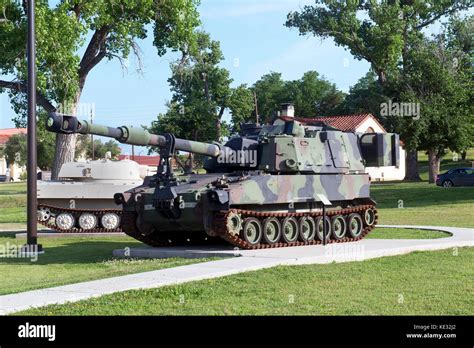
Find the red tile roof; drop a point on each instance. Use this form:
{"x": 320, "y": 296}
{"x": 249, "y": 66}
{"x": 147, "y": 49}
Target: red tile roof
{"x": 5, "y": 134}
{"x": 346, "y": 123}
{"x": 143, "y": 160}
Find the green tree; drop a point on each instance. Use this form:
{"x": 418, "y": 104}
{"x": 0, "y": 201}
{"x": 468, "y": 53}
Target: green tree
{"x": 15, "y": 149}
{"x": 241, "y": 106}
{"x": 201, "y": 89}
{"x": 365, "y": 96}
{"x": 84, "y": 148}
{"x": 270, "y": 92}
{"x": 201, "y": 94}
{"x": 381, "y": 33}
{"x": 99, "y": 29}
{"x": 443, "y": 87}
{"x": 312, "y": 95}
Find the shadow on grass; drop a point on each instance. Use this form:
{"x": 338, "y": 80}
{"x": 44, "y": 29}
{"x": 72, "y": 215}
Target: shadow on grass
{"x": 74, "y": 253}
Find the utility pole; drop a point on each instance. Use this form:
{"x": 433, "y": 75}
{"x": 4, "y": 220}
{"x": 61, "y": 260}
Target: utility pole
{"x": 256, "y": 107}
{"x": 92, "y": 137}
{"x": 32, "y": 245}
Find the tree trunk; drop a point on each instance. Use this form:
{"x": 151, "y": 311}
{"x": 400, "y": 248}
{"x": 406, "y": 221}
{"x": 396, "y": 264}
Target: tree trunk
{"x": 218, "y": 130}
{"x": 433, "y": 165}
{"x": 65, "y": 145}
{"x": 412, "y": 172}
{"x": 463, "y": 155}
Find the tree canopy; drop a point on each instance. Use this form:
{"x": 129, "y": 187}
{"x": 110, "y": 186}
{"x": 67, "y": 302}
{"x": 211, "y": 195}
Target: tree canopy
{"x": 387, "y": 35}
{"x": 312, "y": 95}
{"x": 74, "y": 36}
{"x": 15, "y": 150}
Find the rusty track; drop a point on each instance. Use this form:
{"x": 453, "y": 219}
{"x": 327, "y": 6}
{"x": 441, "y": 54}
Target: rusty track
{"x": 50, "y": 223}
{"x": 221, "y": 228}
{"x": 163, "y": 239}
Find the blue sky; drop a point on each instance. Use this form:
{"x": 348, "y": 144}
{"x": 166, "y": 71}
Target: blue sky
{"x": 254, "y": 41}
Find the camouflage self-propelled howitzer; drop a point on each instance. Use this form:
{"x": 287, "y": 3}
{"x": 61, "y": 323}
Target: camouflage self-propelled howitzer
{"x": 263, "y": 188}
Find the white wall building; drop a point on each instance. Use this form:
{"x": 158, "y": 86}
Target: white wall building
{"x": 367, "y": 123}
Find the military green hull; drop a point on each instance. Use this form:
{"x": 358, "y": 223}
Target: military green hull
{"x": 289, "y": 193}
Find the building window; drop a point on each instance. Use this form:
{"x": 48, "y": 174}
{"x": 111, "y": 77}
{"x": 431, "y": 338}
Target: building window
{"x": 370, "y": 130}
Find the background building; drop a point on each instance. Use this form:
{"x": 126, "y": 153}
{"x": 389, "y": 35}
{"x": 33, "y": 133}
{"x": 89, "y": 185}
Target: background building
{"x": 367, "y": 123}
{"x": 13, "y": 170}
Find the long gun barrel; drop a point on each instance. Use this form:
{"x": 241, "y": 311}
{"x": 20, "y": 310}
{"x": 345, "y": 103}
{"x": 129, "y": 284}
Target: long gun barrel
{"x": 59, "y": 123}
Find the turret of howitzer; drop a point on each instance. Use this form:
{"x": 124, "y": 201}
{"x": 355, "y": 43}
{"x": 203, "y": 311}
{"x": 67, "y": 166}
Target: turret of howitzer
{"x": 64, "y": 124}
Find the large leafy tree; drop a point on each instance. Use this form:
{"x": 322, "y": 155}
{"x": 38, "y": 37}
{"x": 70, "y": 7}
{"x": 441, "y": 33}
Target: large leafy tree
{"x": 241, "y": 106}
{"x": 311, "y": 94}
{"x": 381, "y": 33}
{"x": 365, "y": 96}
{"x": 201, "y": 88}
{"x": 270, "y": 94}
{"x": 443, "y": 87}
{"x": 201, "y": 95}
{"x": 73, "y": 37}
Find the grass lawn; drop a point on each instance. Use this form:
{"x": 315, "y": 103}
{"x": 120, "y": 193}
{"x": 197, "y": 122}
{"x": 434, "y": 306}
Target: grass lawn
{"x": 76, "y": 259}
{"x": 12, "y": 203}
{"x": 424, "y": 204}
{"x": 71, "y": 260}
{"x": 437, "y": 283}
{"x": 421, "y": 283}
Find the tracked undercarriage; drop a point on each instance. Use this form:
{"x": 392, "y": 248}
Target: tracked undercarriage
{"x": 277, "y": 229}
{"x": 72, "y": 220}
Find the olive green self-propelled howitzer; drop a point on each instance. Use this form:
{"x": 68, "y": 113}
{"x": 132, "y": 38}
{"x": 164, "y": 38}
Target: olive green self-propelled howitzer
{"x": 263, "y": 188}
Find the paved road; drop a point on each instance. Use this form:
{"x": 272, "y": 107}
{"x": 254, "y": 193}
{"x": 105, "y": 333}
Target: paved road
{"x": 238, "y": 261}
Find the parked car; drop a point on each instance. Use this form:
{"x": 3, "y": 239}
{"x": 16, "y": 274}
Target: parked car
{"x": 456, "y": 177}
{"x": 5, "y": 178}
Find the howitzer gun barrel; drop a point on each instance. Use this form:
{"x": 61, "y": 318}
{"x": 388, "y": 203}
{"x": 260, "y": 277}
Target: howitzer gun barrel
{"x": 64, "y": 124}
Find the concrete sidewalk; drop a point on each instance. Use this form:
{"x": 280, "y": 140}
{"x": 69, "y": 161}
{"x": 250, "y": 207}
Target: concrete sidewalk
{"x": 239, "y": 261}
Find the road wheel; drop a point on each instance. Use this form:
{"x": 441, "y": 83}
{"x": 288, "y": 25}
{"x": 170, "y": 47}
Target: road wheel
{"x": 87, "y": 221}
{"x": 65, "y": 221}
{"x": 369, "y": 217}
{"x": 110, "y": 221}
{"x": 354, "y": 225}
{"x": 320, "y": 228}
{"x": 307, "y": 229}
{"x": 252, "y": 231}
{"x": 338, "y": 227}
{"x": 271, "y": 230}
{"x": 290, "y": 229}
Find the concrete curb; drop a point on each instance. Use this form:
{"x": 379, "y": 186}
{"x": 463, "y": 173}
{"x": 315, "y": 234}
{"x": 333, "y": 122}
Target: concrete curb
{"x": 249, "y": 260}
